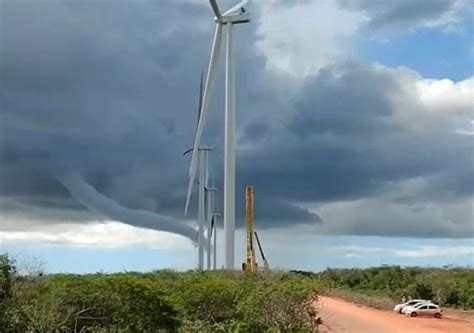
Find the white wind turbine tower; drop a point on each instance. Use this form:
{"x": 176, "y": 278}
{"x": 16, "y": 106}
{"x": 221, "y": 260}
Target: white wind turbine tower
{"x": 211, "y": 219}
{"x": 228, "y": 19}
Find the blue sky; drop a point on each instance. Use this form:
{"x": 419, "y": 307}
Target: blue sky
{"x": 355, "y": 124}
{"x": 433, "y": 53}
{"x": 317, "y": 253}
{"x": 60, "y": 259}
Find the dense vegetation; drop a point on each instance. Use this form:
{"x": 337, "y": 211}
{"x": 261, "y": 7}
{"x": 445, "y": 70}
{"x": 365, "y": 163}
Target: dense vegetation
{"x": 446, "y": 286}
{"x": 168, "y": 301}
{"x": 161, "y": 301}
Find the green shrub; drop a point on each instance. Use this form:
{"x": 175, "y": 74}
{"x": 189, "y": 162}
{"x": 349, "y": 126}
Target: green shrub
{"x": 282, "y": 302}
{"x": 161, "y": 301}
{"x": 7, "y": 275}
{"x": 210, "y": 298}
{"x": 68, "y": 303}
{"x": 237, "y": 302}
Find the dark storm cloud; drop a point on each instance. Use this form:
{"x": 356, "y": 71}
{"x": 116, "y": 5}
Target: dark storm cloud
{"x": 408, "y": 13}
{"x": 346, "y": 141}
{"x": 363, "y": 110}
{"x": 343, "y": 141}
{"x": 109, "y": 90}
{"x": 82, "y": 89}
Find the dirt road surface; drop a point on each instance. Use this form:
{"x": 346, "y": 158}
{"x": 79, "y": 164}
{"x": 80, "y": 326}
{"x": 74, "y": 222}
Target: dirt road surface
{"x": 343, "y": 317}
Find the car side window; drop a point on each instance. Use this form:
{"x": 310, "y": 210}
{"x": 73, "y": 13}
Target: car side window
{"x": 423, "y": 307}
{"x": 432, "y": 307}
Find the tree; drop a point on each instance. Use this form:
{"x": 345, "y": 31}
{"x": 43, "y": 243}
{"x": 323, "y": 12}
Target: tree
{"x": 7, "y": 273}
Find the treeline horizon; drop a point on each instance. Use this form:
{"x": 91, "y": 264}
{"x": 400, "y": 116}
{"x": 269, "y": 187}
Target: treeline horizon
{"x": 170, "y": 301}
{"x": 451, "y": 286}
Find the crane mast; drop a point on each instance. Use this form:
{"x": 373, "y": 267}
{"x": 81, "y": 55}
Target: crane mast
{"x": 250, "y": 264}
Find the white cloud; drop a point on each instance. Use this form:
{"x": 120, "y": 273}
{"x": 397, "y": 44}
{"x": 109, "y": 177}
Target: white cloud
{"x": 411, "y": 251}
{"x": 446, "y": 95}
{"x": 109, "y": 234}
{"x": 301, "y": 38}
{"x": 434, "y": 251}
{"x": 441, "y": 106}
{"x": 386, "y": 18}
{"x": 353, "y": 255}
{"x": 359, "y": 250}
{"x": 449, "y": 21}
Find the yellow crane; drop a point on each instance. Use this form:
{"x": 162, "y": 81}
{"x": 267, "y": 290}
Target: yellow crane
{"x": 250, "y": 264}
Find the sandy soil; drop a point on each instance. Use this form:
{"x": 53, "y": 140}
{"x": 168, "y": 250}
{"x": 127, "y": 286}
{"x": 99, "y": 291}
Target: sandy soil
{"x": 343, "y": 317}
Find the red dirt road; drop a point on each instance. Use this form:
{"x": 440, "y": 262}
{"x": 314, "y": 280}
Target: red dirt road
{"x": 343, "y": 317}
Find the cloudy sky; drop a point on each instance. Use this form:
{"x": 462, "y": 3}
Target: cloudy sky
{"x": 355, "y": 123}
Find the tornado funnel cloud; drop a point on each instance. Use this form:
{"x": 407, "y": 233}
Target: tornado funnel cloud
{"x": 90, "y": 198}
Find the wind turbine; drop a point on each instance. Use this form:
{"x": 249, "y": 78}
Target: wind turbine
{"x": 235, "y": 15}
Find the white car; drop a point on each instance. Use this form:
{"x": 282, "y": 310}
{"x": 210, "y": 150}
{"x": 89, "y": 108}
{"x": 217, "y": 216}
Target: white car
{"x": 424, "y": 309}
{"x": 400, "y": 307}
{"x": 415, "y": 306}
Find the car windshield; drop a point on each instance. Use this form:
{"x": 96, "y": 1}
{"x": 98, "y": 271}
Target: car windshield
{"x": 420, "y": 304}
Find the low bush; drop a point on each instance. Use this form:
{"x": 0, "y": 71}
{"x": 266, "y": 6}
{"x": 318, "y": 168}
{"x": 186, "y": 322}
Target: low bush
{"x": 69, "y": 303}
{"x": 160, "y": 301}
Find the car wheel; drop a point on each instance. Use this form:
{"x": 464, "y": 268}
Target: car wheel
{"x": 437, "y": 315}
{"x": 400, "y": 311}
{"x": 413, "y": 314}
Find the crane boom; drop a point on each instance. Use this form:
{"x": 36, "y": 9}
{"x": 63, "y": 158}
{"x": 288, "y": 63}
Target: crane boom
{"x": 265, "y": 262}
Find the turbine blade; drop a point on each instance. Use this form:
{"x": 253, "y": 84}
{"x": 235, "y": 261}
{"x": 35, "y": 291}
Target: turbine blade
{"x": 188, "y": 197}
{"x": 206, "y": 176}
{"x": 213, "y": 62}
{"x": 212, "y": 225}
{"x": 236, "y": 7}
{"x": 190, "y": 187}
{"x": 200, "y": 100}
{"x": 187, "y": 151}
{"x": 215, "y": 8}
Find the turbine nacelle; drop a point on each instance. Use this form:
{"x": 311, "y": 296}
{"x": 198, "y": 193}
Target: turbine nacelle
{"x": 237, "y": 14}
{"x": 233, "y": 18}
